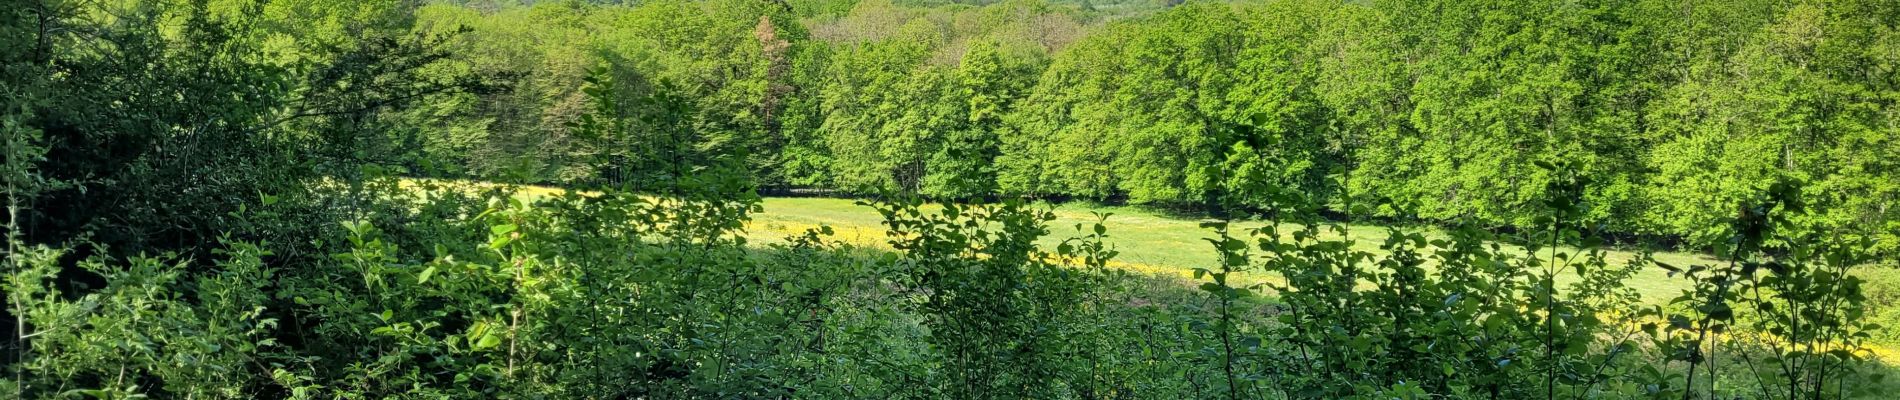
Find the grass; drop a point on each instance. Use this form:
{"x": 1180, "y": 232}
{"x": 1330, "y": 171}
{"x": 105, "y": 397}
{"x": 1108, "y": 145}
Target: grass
{"x": 1149, "y": 241}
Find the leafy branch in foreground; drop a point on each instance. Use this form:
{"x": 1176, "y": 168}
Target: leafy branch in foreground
{"x": 1793, "y": 288}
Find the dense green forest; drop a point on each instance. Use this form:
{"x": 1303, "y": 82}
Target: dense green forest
{"x": 316, "y": 199}
{"x": 1676, "y": 111}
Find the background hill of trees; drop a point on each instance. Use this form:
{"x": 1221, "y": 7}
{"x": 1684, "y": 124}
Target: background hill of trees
{"x": 1674, "y": 110}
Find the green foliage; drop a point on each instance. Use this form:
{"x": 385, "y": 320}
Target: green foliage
{"x": 139, "y": 334}
{"x": 722, "y": 70}
{"x": 479, "y": 294}
{"x": 267, "y": 153}
{"x": 1489, "y": 322}
{"x": 1441, "y": 107}
{"x": 1000, "y": 310}
{"x": 1796, "y": 295}
{"x": 161, "y": 117}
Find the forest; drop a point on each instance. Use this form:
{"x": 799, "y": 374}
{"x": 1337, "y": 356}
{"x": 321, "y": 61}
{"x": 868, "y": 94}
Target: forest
{"x": 520, "y": 199}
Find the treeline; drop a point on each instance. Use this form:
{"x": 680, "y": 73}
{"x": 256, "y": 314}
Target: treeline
{"x": 1439, "y": 110}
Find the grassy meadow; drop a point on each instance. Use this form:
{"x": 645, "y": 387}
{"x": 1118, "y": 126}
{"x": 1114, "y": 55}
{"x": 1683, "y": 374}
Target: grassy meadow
{"x": 1149, "y": 241}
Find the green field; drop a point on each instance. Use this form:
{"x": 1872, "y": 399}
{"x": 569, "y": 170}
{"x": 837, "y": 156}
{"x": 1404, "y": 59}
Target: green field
{"x": 1149, "y": 241}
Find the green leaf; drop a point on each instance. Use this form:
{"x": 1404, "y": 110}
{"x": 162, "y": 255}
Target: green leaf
{"x": 483, "y": 335}
{"x": 93, "y": 393}
{"x": 489, "y": 341}
{"x": 1721, "y": 312}
{"x": 1212, "y": 287}
{"x": 426, "y": 273}
{"x": 1260, "y": 119}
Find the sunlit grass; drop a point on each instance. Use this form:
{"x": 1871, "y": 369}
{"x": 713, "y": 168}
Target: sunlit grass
{"x": 1148, "y": 241}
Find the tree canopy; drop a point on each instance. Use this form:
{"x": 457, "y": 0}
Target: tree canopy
{"x": 1425, "y": 110}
